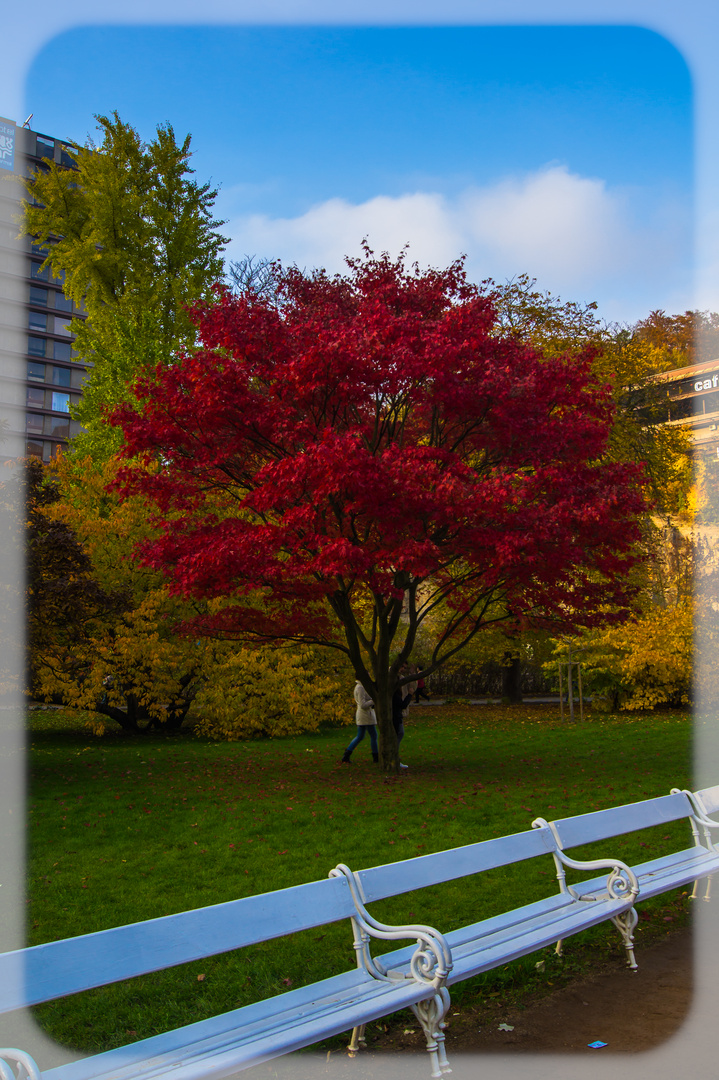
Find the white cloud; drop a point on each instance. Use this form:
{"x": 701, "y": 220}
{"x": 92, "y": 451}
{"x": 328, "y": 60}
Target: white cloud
{"x": 333, "y": 229}
{"x": 575, "y": 234}
{"x": 553, "y": 220}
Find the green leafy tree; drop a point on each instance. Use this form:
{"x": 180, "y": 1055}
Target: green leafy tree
{"x": 134, "y": 238}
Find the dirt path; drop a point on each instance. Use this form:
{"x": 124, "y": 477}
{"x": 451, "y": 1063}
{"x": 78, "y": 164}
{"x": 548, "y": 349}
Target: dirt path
{"x": 584, "y": 1012}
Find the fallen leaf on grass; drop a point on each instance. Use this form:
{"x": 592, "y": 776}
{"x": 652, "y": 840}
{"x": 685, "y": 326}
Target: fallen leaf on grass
{"x": 505, "y": 1027}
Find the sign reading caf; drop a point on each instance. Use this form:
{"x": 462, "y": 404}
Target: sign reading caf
{"x": 707, "y": 384}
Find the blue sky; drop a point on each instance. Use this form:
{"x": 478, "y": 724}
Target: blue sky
{"x": 562, "y": 152}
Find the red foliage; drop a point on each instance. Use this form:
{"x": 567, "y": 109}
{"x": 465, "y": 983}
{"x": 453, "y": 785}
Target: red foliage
{"x": 375, "y": 430}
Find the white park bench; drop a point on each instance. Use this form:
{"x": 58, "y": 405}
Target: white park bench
{"x": 659, "y": 875}
{"x": 492, "y": 942}
{"x": 415, "y": 976}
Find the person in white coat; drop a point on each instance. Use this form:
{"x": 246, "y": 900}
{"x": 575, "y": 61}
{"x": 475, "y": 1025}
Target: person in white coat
{"x": 366, "y": 721}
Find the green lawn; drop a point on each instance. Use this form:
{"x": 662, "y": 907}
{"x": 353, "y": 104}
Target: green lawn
{"x": 125, "y": 829}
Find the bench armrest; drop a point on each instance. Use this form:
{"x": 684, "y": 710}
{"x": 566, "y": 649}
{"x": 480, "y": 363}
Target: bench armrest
{"x": 25, "y": 1067}
{"x": 622, "y": 882}
{"x": 431, "y": 962}
{"x": 699, "y": 817}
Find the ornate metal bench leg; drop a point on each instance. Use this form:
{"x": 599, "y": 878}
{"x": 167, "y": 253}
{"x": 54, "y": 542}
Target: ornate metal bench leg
{"x": 707, "y": 894}
{"x": 625, "y": 924}
{"x": 441, "y": 1052}
{"x": 24, "y": 1066}
{"x": 431, "y": 1014}
{"x": 357, "y": 1038}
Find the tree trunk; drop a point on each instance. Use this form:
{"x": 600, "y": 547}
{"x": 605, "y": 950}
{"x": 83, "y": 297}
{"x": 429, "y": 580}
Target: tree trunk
{"x": 388, "y": 746}
{"x": 126, "y": 722}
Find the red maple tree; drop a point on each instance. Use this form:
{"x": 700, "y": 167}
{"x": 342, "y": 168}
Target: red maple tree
{"x": 361, "y": 456}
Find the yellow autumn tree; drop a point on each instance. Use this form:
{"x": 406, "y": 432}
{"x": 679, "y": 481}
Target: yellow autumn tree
{"x": 270, "y": 691}
{"x": 130, "y": 664}
{"x": 648, "y": 659}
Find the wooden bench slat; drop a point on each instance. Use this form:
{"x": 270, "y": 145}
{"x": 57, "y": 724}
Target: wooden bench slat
{"x": 481, "y": 946}
{"x": 603, "y": 824}
{"x": 58, "y": 968}
{"x": 393, "y": 879}
{"x": 472, "y": 960}
{"x": 220, "y": 1045}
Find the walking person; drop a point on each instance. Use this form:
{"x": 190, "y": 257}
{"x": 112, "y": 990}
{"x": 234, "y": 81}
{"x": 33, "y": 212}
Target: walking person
{"x": 366, "y": 721}
{"x": 400, "y": 702}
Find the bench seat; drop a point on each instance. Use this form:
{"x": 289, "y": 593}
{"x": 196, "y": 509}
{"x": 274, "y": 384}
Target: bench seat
{"x": 222, "y": 1045}
{"x": 662, "y": 874}
{"x": 498, "y": 940}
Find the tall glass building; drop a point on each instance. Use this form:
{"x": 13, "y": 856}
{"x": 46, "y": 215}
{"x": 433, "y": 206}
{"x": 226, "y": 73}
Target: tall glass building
{"x": 40, "y": 379}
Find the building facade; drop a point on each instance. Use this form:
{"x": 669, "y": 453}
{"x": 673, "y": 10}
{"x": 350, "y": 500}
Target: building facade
{"x": 688, "y": 397}
{"x": 41, "y": 380}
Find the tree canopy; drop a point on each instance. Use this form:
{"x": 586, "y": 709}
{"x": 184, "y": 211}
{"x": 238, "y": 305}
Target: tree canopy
{"x": 366, "y": 453}
{"x": 134, "y": 238}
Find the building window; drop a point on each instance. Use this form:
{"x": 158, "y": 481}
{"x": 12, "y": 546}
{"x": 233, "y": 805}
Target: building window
{"x": 39, "y": 272}
{"x": 77, "y": 377}
{"x": 58, "y": 428}
{"x": 711, "y": 402}
{"x": 35, "y": 449}
{"x": 65, "y": 159}
{"x": 39, "y": 247}
{"x": 61, "y": 376}
{"x": 36, "y": 346}
{"x": 61, "y": 350}
{"x": 35, "y": 371}
{"x": 34, "y": 424}
{"x": 62, "y": 303}
{"x": 45, "y": 147}
{"x": 38, "y": 295}
{"x": 60, "y": 402}
{"x": 62, "y": 325}
{"x": 37, "y": 320}
{"x": 35, "y": 397}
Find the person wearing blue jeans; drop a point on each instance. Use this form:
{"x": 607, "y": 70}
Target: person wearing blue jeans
{"x": 366, "y": 720}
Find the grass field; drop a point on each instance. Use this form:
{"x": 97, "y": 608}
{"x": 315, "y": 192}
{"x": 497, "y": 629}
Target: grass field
{"x": 125, "y": 829}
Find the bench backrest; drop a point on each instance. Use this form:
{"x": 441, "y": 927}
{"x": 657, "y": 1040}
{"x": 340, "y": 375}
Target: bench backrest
{"x": 393, "y": 879}
{"x": 708, "y": 799}
{"x": 44, "y": 972}
{"x": 602, "y": 824}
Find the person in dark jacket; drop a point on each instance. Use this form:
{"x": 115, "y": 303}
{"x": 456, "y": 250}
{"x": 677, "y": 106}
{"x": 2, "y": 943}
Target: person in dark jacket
{"x": 399, "y": 704}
